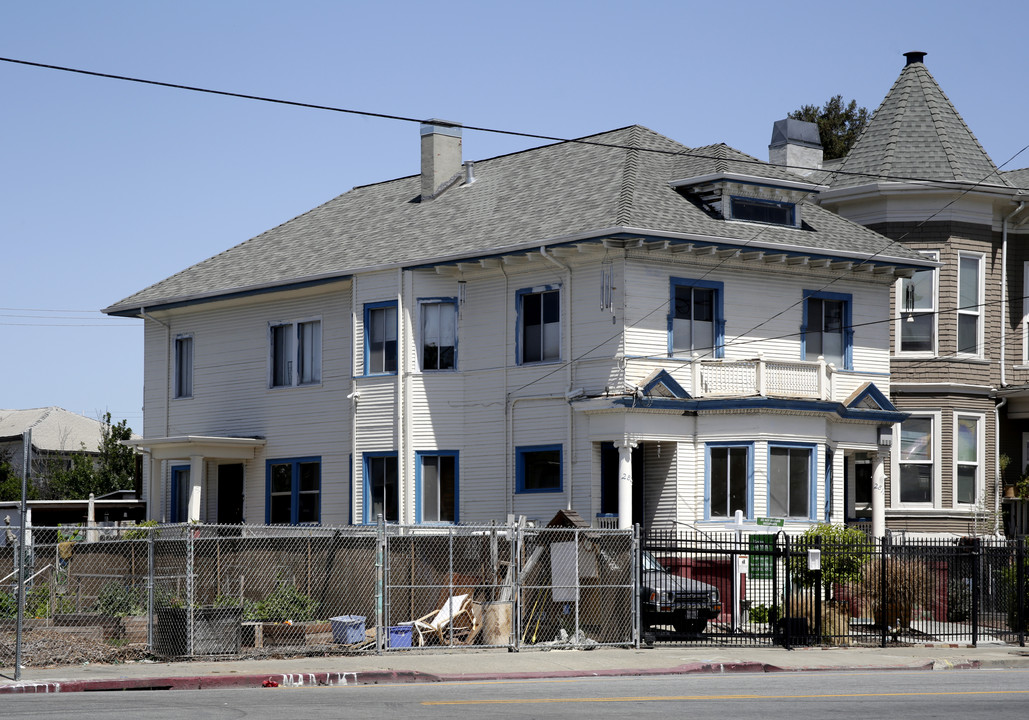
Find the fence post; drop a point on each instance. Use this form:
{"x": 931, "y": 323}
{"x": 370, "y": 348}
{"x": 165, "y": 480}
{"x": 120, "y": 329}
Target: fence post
{"x": 1020, "y": 589}
{"x": 976, "y": 589}
{"x": 635, "y": 590}
{"x": 516, "y": 585}
{"x": 189, "y": 589}
{"x": 450, "y": 584}
{"x": 380, "y": 580}
{"x": 882, "y": 590}
{"x": 151, "y": 562}
{"x": 578, "y": 587}
{"x": 776, "y": 617}
{"x": 787, "y": 640}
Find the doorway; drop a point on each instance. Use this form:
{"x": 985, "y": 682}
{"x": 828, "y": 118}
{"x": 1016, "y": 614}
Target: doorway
{"x": 230, "y": 494}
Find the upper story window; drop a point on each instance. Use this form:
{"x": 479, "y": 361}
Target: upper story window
{"x": 764, "y": 211}
{"x": 184, "y": 366}
{"x": 293, "y": 491}
{"x": 790, "y": 481}
{"x": 439, "y": 334}
{"x": 380, "y": 331}
{"x": 970, "y": 301}
{"x": 917, "y": 308}
{"x": 539, "y": 312}
{"x": 826, "y": 331}
{"x": 296, "y": 349}
{"x": 696, "y": 324}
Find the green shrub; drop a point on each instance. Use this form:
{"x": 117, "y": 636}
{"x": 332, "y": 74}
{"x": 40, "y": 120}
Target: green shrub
{"x": 120, "y": 600}
{"x": 1009, "y": 586}
{"x": 285, "y": 603}
{"x": 844, "y": 552}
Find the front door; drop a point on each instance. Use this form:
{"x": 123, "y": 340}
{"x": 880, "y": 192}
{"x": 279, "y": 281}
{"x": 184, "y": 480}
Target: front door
{"x": 230, "y": 494}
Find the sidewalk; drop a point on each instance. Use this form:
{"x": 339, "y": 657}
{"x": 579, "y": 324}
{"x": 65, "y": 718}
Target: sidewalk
{"x": 466, "y": 665}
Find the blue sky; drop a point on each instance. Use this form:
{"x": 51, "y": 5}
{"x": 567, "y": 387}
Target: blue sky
{"x": 110, "y": 186}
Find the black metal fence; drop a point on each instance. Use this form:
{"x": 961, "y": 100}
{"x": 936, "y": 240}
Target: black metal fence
{"x": 774, "y": 589}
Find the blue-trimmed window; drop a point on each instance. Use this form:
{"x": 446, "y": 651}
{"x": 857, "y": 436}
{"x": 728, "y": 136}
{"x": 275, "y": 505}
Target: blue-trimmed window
{"x": 381, "y": 487}
{"x": 538, "y": 469}
{"x": 184, "y": 366}
{"x": 296, "y": 350}
{"x": 791, "y": 481}
{"x": 293, "y": 491}
{"x": 439, "y": 333}
{"x": 729, "y": 480}
{"x": 696, "y": 323}
{"x": 826, "y": 329}
{"x": 179, "y": 510}
{"x": 380, "y": 338}
{"x": 763, "y": 211}
{"x": 539, "y": 322}
{"x": 436, "y": 486}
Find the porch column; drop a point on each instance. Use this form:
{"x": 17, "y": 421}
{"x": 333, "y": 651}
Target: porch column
{"x": 625, "y": 447}
{"x": 154, "y": 496}
{"x": 879, "y": 494}
{"x": 196, "y": 478}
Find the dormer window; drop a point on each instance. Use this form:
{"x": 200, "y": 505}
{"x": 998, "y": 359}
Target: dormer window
{"x": 763, "y": 211}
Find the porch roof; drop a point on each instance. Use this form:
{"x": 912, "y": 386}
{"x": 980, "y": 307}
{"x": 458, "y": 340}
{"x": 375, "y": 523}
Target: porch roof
{"x": 208, "y": 446}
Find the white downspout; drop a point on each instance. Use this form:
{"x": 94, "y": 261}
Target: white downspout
{"x": 996, "y": 465}
{"x": 566, "y": 356}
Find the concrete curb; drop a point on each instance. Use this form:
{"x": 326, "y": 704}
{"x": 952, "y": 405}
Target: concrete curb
{"x": 394, "y": 677}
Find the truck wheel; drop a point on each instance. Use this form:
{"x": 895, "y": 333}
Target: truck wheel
{"x": 692, "y": 627}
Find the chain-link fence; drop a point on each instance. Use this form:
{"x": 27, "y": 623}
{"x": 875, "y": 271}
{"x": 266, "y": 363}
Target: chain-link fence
{"x": 200, "y": 590}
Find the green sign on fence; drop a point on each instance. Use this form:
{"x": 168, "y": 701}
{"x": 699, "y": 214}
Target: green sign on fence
{"x": 761, "y": 547}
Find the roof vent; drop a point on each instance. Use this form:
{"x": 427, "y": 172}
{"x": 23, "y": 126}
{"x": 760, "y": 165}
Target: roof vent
{"x": 913, "y": 57}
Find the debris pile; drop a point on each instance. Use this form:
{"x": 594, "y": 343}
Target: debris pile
{"x": 49, "y": 647}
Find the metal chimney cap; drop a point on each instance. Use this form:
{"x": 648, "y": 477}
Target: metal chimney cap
{"x": 915, "y": 56}
{"x": 441, "y": 127}
{"x": 795, "y": 132}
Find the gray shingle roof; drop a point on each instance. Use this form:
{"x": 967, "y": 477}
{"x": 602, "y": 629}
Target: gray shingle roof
{"x": 517, "y": 200}
{"x": 917, "y": 133}
{"x": 1017, "y": 178}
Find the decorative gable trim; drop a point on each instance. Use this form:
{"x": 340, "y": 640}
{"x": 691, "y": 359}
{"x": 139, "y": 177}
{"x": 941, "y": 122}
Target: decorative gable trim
{"x": 661, "y": 384}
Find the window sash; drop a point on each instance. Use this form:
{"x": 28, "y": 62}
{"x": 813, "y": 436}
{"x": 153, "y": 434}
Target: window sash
{"x": 539, "y": 470}
{"x": 541, "y": 326}
{"x": 294, "y": 492}
{"x": 967, "y": 452}
{"x": 825, "y": 333}
{"x": 693, "y": 320}
{"x": 969, "y": 300}
{"x": 439, "y": 488}
{"x": 282, "y": 355}
{"x": 382, "y": 339}
{"x": 729, "y": 474}
{"x": 439, "y": 335}
{"x": 383, "y": 488}
{"x": 916, "y": 460}
{"x": 309, "y": 355}
{"x": 183, "y": 367}
{"x": 789, "y": 482}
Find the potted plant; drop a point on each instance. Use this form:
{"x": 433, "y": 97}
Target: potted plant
{"x": 1009, "y": 487}
{"x": 1022, "y": 486}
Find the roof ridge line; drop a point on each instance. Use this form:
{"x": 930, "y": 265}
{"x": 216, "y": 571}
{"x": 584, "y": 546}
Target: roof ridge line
{"x": 630, "y": 173}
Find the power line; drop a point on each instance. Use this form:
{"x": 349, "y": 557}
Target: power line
{"x": 497, "y": 131}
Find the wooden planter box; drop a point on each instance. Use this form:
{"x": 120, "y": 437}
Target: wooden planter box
{"x": 257, "y": 634}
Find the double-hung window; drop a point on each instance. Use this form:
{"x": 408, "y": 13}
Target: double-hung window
{"x": 380, "y": 330}
{"x": 695, "y": 323}
{"x": 539, "y": 311}
{"x": 970, "y": 304}
{"x": 915, "y": 462}
{"x": 296, "y": 353}
{"x": 967, "y": 459}
{"x": 538, "y": 469}
{"x": 826, "y": 331}
{"x": 790, "y": 486}
{"x": 293, "y": 491}
{"x": 729, "y": 475}
{"x": 381, "y": 487}
{"x": 184, "y": 366}
{"x": 439, "y": 334}
{"x": 437, "y": 486}
{"x": 917, "y": 310}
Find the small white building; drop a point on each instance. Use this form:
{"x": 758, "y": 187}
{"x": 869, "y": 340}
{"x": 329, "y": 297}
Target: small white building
{"x": 620, "y": 325}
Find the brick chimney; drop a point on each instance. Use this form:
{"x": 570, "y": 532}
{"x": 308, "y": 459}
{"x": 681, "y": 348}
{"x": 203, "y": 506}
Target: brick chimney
{"x": 441, "y": 156}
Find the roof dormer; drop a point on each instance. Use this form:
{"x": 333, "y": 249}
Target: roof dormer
{"x": 747, "y": 198}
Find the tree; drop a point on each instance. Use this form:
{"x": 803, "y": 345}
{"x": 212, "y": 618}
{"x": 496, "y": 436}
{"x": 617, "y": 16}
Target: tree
{"x": 10, "y": 481}
{"x": 839, "y": 124}
{"x": 111, "y": 468}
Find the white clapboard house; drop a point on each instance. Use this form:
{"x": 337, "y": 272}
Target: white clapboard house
{"x": 620, "y": 325}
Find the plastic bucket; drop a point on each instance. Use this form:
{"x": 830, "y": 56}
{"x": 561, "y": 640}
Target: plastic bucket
{"x": 400, "y": 636}
{"x": 347, "y": 629}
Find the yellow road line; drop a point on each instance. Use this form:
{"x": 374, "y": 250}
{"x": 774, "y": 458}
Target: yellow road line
{"x": 662, "y": 698}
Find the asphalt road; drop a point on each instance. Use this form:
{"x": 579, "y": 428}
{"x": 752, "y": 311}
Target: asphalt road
{"x": 798, "y": 696}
